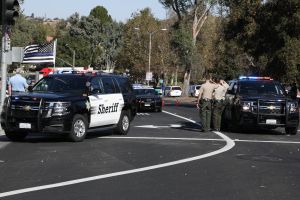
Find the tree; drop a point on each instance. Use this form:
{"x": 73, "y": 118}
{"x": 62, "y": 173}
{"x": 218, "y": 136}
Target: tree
{"x": 135, "y": 52}
{"x": 100, "y": 13}
{"x": 191, "y": 18}
{"x": 104, "y": 39}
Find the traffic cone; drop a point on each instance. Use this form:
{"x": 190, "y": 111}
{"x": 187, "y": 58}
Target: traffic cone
{"x": 163, "y": 103}
{"x": 177, "y": 102}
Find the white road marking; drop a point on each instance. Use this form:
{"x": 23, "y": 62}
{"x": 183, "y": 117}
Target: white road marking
{"x": 266, "y": 141}
{"x": 202, "y": 139}
{"x": 229, "y": 145}
{"x": 143, "y": 114}
{"x": 162, "y": 138}
{"x": 156, "y": 127}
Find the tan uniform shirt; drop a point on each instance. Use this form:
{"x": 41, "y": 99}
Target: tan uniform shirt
{"x": 220, "y": 91}
{"x": 206, "y": 90}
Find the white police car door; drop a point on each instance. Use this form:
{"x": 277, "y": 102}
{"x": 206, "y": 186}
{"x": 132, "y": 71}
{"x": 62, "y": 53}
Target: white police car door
{"x": 106, "y": 104}
{"x": 113, "y": 100}
{"x": 95, "y": 101}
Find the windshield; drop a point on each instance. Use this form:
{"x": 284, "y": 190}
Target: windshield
{"x": 144, "y": 91}
{"x": 176, "y": 88}
{"x": 60, "y": 84}
{"x": 260, "y": 87}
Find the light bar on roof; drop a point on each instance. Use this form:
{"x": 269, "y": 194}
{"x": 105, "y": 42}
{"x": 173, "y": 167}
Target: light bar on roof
{"x": 255, "y": 78}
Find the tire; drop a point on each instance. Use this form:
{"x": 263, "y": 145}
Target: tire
{"x": 224, "y": 123}
{"x": 123, "y": 125}
{"x": 291, "y": 130}
{"x": 78, "y": 129}
{"x": 158, "y": 109}
{"x": 15, "y": 136}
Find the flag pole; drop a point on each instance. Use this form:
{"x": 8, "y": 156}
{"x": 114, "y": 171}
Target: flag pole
{"x": 54, "y": 52}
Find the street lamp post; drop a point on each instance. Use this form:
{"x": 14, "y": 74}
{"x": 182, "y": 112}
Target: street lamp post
{"x": 73, "y": 59}
{"x": 150, "y": 46}
{"x": 73, "y": 63}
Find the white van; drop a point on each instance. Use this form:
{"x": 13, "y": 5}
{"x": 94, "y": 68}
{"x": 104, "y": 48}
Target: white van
{"x": 194, "y": 90}
{"x": 173, "y": 91}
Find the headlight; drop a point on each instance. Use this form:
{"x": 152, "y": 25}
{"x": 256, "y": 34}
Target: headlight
{"x": 58, "y": 108}
{"x": 246, "y": 105}
{"x": 293, "y": 107}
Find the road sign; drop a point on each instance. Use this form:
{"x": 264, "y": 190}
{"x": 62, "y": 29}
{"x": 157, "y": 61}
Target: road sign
{"x": 149, "y": 76}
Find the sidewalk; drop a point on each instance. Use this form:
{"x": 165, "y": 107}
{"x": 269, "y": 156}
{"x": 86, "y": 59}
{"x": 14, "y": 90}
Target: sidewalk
{"x": 178, "y": 101}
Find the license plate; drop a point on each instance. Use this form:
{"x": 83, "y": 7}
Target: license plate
{"x": 147, "y": 104}
{"x": 25, "y": 125}
{"x": 271, "y": 121}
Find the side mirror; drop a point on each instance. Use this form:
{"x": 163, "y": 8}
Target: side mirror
{"x": 96, "y": 91}
{"x": 30, "y": 87}
{"x": 230, "y": 91}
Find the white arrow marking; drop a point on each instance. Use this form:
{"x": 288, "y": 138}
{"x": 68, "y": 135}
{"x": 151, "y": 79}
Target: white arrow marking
{"x": 156, "y": 127}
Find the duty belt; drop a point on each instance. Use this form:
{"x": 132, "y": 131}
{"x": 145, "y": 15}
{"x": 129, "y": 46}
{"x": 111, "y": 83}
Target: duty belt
{"x": 205, "y": 99}
{"x": 219, "y": 101}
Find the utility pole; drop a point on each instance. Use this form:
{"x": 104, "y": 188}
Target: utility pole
{"x": 10, "y": 12}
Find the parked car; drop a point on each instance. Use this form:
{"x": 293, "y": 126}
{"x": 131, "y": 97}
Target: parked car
{"x": 147, "y": 99}
{"x": 158, "y": 89}
{"x": 173, "y": 91}
{"x": 194, "y": 90}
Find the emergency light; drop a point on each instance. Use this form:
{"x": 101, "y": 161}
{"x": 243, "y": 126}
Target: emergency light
{"x": 255, "y": 78}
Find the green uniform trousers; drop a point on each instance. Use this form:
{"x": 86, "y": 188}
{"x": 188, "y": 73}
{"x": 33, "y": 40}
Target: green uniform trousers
{"x": 205, "y": 114}
{"x": 218, "y": 107}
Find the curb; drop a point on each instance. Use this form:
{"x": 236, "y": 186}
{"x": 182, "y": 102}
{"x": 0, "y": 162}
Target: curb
{"x": 1, "y": 132}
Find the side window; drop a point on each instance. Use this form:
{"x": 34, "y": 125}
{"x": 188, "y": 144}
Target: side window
{"x": 116, "y": 86}
{"x": 96, "y": 85}
{"x": 124, "y": 85}
{"x": 232, "y": 88}
{"x": 108, "y": 86}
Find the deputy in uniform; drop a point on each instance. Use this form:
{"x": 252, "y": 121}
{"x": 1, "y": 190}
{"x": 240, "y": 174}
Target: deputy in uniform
{"x": 219, "y": 103}
{"x": 204, "y": 102}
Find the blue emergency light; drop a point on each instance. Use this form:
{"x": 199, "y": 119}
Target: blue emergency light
{"x": 255, "y": 78}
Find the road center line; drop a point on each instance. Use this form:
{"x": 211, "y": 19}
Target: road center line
{"x": 229, "y": 144}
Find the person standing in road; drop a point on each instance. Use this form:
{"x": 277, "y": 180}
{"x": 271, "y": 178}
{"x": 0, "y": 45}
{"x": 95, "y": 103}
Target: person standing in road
{"x": 204, "y": 102}
{"x": 219, "y": 103}
{"x": 17, "y": 83}
{"x": 294, "y": 90}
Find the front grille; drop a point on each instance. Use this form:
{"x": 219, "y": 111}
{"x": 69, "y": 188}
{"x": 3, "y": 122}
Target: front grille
{"x": 27, "y": 109}
{"x": 22, "y": 114}
{"x": 269, "y": 107}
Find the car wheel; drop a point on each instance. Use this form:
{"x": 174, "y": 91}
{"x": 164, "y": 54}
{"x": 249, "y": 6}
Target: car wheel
{"x": 15, "y": 136}
{"x": 224, "y": 123}
{"x": 158, "y": 109}
{"x": 79, "y": 128}
{"x": 123, "y": 125}
{"x": 291, "y": 130}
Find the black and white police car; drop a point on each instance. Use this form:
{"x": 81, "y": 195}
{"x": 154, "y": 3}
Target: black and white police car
{"x": 259, "y": 102}
{"x": 70, "y": 104}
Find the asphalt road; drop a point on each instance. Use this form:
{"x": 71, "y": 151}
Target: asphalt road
{"x": 164, "y": 156}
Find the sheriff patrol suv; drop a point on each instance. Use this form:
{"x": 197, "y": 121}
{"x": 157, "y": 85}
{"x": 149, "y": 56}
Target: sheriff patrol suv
{"x": 71, "y": 104}
{"x": 260, "y": 102}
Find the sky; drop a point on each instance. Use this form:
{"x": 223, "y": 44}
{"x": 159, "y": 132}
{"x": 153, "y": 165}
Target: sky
{"x": 120, "y": 10}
